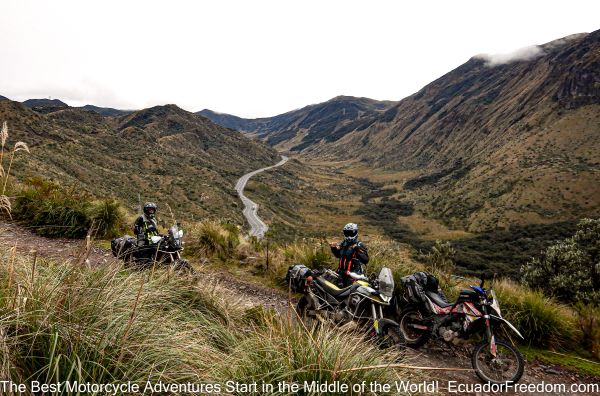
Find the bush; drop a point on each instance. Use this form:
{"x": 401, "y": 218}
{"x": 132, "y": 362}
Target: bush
{"x": 57, "y": 211}
{"x": 570, "y": 269}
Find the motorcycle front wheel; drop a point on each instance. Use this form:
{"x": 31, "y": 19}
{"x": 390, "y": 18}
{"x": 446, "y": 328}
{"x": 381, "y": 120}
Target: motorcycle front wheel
{"x": 506, "y": 366}
{"x": 391, "y": 337}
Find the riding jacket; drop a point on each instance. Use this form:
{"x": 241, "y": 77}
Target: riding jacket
{"x": 352, "y": 256}
{"x": 144, "y": 228}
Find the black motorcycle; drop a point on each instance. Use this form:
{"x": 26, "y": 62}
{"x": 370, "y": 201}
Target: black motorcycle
{"x": 164, "y": 250}
{"x": 360, "y": 304}
{"x": 424, "y": 313}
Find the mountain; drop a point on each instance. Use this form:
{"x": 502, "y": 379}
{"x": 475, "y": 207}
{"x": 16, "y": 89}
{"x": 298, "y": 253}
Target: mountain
{"x": 163, "y": 153}
{"x": 490, "y": 145}
{"x": 3, "y": 97}
{"x": 45, "y": 105}
{"x": 106, "y": 111}
{"x": 308, "y": 126}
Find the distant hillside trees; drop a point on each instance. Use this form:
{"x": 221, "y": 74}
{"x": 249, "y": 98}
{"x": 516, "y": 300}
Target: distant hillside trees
{"x": 569, "y": 269}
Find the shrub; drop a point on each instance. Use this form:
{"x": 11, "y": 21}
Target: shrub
{"x": 570, "y": 269}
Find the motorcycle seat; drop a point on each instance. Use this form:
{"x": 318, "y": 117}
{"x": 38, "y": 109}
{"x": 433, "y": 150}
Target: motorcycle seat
{"x": 437, "y": 299}
{"x": 334, "y": 290}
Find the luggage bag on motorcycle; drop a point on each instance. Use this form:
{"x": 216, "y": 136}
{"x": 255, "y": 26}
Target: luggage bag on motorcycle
{"x": 122, "y": 246}
{"x": 296, "y": 277}
{"x": 413, "y": 290}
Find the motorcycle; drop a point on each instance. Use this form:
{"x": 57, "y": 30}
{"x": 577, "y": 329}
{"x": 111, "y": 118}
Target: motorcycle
{"x": 165, "y": 249}
{"x": 361, "y": 303}
{"x": 427, "y": 313}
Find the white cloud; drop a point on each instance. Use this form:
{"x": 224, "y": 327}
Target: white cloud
{"x": 522, "y": 54}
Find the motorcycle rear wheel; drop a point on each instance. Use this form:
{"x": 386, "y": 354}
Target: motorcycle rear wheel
{"x": 506, "y": 366}
{"x": 414, "y": 338}
{"x": 303, "y": 309}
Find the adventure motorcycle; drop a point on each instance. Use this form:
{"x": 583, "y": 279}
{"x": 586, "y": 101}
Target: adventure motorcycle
{"x": 165, "y": 249}
{"x": 361, "y": 303}
{"x": 426, "y": 313}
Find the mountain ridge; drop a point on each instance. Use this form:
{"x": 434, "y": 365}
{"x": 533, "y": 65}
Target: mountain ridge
{"x": 308, "y": 125}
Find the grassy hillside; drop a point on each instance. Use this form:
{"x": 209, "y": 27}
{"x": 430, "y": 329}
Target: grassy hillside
{"x": 490, "y": 146}
{"x": 164, "y": 154}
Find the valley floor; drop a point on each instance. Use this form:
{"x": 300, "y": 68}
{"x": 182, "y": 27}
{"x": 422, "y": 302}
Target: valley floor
{"x": 253, "y": 294}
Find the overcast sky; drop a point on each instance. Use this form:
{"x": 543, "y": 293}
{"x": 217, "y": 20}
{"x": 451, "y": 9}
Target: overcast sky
{"x": 259, "y": 58}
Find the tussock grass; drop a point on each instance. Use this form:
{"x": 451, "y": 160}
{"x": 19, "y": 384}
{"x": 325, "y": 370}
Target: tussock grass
{"x": 542, "y": 320}
{"x": 107, "y": 324}
{"x": 212, "y": 238}
{"x": 58, "y": 211}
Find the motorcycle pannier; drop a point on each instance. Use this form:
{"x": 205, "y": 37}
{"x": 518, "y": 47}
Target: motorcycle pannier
{"x": 414, "y": 292}
{"x": 296, "y": 277}
{"x": 121, "y": 246}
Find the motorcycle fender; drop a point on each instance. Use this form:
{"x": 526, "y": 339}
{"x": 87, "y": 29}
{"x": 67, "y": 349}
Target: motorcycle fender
{"x": 506, "y": 322}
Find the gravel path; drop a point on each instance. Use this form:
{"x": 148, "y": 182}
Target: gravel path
{"x": 257, "y": 226}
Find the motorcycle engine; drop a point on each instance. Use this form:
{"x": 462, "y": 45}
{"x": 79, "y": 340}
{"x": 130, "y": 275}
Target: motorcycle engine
{"x": 342, "y": 316}
{"x": 450, "y": 333}
{"x": 354, "y": 301}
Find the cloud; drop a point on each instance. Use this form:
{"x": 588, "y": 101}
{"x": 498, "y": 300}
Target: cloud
{"x": 522, "y": 54}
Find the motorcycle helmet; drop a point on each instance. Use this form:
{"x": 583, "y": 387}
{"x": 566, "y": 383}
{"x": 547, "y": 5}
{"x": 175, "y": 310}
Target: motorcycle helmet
{"x": 150, "y": 209}
{"x": 351, "y": 232}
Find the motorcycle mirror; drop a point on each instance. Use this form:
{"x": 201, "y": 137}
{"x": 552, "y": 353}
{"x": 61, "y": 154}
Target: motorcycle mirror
{"x": 482, "y": 277}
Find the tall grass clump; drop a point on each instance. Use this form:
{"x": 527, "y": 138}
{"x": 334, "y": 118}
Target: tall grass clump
{"x": 58, "y": 211}
{"x": 5, "y": 204}
{"x": 588, "y": 319}
{"x": 213, "y": 239}
{"x": 62, "y": 322}
{"x": 542, "y": 320}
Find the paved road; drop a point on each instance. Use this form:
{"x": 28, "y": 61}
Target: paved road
{"x": 257, "y": 226}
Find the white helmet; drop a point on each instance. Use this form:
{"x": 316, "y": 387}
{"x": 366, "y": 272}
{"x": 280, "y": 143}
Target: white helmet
{"x": 351, "y": 232}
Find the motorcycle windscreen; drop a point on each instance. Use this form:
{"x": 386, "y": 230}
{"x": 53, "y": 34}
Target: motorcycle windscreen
{"x": 386, "y": 282}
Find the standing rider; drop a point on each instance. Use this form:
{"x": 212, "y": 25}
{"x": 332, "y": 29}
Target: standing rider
{"x": 353, "y": 255}
{"x": 145, "y": 226}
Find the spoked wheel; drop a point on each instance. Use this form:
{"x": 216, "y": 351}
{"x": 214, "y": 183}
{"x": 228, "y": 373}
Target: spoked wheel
{"x": 506, "y": 366}
{"x": 412, "y": 327}
{"x": 307, "y": 313}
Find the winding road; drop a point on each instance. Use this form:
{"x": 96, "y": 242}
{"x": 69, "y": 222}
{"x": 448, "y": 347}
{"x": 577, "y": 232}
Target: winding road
{"x": 257, "y": 226}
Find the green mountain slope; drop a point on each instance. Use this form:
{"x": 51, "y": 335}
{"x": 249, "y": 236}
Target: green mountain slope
{"x": 162, "y": 153}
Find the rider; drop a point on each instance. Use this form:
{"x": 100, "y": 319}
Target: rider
{"x": 145, "y": 226}
{"x": 353, "y": 255}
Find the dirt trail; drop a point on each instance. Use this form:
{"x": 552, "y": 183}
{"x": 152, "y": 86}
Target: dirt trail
{"x": 434, "y": 354}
